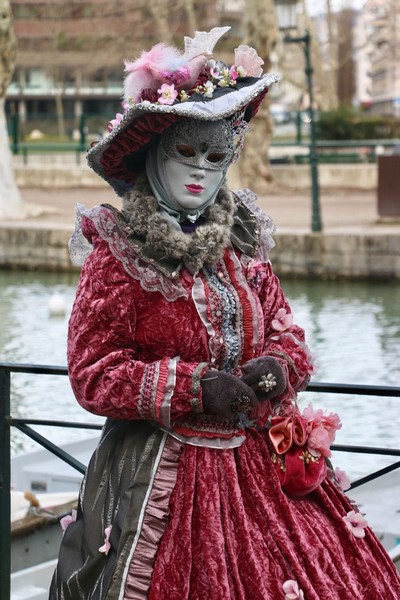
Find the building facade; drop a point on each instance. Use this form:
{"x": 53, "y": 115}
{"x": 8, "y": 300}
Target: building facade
{"x": 71, "y": 53}
{"x": 380, "y": 22}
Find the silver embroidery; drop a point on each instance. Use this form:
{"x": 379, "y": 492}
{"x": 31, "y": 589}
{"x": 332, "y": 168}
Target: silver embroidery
{"x": 231, "y": 339}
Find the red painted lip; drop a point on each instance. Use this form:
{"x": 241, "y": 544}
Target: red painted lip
{"x": 194, "y": 188}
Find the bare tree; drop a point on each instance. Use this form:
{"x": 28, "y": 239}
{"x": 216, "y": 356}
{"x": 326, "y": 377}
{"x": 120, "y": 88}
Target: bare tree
{"x": 160, "y": 10}
{"x": 323, "y": 56}
{"x": 260, "y": 33}
{"x": 188, "y": 7}
{"x": 11, "y": 203}
{"x": 332, "y": 55}
{"x": 346, "y": 64}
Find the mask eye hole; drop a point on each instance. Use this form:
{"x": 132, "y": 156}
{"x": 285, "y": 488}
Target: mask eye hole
{"x": 185, "y": 150}
{"x": 215, "y": 156}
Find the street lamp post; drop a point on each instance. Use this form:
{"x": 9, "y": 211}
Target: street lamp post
{"x": 286, "y": 15}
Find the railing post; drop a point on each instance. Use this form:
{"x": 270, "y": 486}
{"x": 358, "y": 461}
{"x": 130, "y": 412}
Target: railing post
{"x": 82, "y": 133}
{"x": 5, "y": 526}
{"x": 15, "y": 132}
{"x": 305, "y": 41}
{"x": 299, "y": 137}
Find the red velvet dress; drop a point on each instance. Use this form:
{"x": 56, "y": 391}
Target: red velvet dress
{"x": 205, "y": 516}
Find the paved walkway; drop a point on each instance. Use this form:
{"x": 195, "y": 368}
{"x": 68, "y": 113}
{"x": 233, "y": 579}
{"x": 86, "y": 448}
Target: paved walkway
{"x": 342, "y": 210}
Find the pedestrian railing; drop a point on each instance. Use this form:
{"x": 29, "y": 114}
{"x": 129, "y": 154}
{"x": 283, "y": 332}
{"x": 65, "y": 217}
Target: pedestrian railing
{"x": 333, "y": 151}
{"x": 328, "y": 151}
{"x": 26, "y": 149}
{"x": 24, "y": 425}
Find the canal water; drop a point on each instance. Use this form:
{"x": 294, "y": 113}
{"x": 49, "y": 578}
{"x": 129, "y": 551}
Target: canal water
{"x": 353, "y": 329}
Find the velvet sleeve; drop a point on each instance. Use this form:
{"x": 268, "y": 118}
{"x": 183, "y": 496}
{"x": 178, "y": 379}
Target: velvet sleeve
{"x": 105, "y": 369}
{"x": 283, "y": 339}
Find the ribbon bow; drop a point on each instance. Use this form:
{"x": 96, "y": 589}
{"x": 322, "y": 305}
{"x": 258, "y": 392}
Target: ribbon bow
{"x": 287, "y": 430}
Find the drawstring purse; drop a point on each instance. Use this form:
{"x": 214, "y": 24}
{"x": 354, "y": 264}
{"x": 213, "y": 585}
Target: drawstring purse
{"x": 300, "y": 469}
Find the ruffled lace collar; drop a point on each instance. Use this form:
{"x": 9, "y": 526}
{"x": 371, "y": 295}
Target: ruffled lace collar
{"x": 157, "y": 267}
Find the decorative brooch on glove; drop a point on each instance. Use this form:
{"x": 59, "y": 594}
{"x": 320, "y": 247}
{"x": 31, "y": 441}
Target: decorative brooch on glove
{"x": 241, "y": 404}
{"x": 267, "y": 382}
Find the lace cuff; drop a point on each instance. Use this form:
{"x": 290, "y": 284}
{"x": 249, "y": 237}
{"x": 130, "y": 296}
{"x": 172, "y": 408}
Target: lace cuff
{"x": 196, "y": 402}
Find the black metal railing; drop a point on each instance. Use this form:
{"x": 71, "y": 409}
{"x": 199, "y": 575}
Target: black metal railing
{"x": 24, "y": 425}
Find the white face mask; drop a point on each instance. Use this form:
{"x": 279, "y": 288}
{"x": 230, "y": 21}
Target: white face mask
{"x": 192, "y": 186}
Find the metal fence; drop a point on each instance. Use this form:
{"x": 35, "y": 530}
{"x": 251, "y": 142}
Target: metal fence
{"x": 81, "y": 131}
{"x": 24, "y": 425}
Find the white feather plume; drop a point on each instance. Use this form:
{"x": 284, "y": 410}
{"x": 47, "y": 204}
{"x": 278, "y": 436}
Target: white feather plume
{"x": 203, "y": 42}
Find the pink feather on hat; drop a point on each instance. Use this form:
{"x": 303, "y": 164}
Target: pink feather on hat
{"x": 151, "y": 69}
{"x": 166, "y": 64}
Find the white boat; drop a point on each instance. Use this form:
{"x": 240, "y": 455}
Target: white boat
{"x": 42, "y": 472}
{"x": 55, "y": 485}
{"x": 33, "y": 583}
{"x": 35, "y": 526}
{"x": 44, "y": 488}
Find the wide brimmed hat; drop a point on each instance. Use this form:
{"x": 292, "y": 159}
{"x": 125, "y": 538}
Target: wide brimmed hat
{"x": 163, "y": 86}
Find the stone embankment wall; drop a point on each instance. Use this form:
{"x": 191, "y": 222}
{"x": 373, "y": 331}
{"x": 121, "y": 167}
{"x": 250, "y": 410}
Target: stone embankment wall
{"x": 336, "y": 255}
{"x": 34, "y": 247}
{"x": 326, "y": 256}
{"x": 367, "y": 254}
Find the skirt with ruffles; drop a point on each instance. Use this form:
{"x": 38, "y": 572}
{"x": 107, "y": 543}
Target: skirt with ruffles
{"x": 161, "y": 520}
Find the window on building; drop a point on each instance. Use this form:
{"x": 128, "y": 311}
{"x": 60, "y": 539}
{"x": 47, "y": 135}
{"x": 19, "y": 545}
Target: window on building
{"x": 36, "y": 78}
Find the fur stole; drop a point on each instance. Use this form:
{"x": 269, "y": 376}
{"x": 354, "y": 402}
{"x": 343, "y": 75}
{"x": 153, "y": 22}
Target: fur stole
{"x": 205, "y": 246}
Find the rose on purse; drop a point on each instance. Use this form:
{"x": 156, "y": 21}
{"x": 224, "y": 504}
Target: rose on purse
{"x": 299, "y": 461}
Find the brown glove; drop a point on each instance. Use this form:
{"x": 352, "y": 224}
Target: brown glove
{"x": 225, "y": 396}
{"x": 265, "y": 376}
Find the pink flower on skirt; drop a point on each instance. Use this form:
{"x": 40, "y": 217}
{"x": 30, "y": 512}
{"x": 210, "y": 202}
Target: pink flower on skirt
{"x": 356, "y": 523}
{"x": 68, "y": 519}
{"x": 342, "y": 479}
{"x": 106, "y": 546}
{"x": 282, "y": 320}
{"x": 321, "y": 429}
{"x": 292, "y": 590}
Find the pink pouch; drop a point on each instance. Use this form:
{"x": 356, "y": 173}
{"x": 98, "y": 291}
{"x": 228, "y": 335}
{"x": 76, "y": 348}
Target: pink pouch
{"x": 299, "y": 471}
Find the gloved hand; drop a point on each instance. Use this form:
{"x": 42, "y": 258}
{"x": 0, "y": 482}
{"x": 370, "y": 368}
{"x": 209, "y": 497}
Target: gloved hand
{"x": 226, "y": 396}
{"x": 265, "y": 376}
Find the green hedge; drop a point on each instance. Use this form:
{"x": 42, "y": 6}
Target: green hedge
{"x": 348, "y": 124}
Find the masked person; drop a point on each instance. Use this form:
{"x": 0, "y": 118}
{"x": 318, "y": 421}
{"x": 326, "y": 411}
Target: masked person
{"x": 208, "y": 482}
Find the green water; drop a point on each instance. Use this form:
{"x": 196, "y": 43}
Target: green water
{"x": 353, "y": 330}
